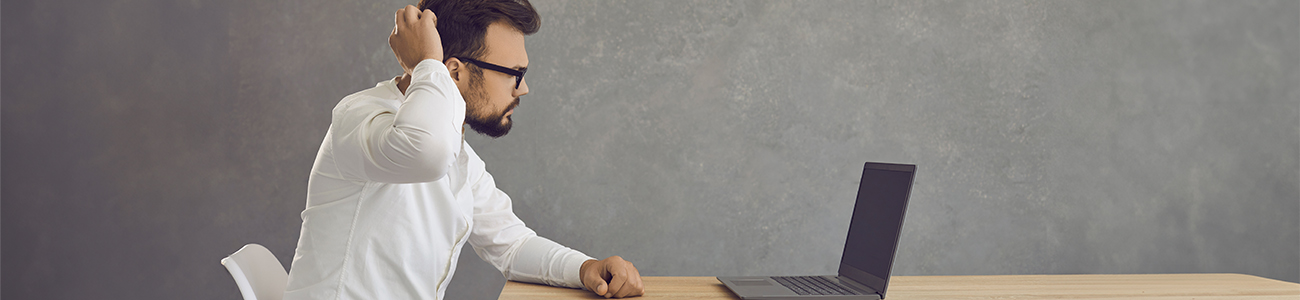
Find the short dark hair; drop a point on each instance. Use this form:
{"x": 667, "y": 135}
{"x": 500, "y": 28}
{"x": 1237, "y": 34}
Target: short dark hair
{"x": 462, "y": 24}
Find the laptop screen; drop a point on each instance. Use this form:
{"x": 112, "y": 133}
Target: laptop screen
{"x": 876, "y": 224}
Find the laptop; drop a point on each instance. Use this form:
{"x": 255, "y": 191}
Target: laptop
{"x": 868, "y": 252}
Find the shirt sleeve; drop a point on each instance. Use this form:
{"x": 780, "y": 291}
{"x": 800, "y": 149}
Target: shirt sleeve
{"x": 500, "y": 238}
{"x": 416, "y": 142}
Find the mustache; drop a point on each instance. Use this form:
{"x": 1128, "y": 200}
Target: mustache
{"x": 512, "y": 105}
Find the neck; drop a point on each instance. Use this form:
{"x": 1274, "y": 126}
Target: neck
{"x": 403, "y": 82}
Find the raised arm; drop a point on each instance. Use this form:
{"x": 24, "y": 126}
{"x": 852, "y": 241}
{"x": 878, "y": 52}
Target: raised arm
{"x": 416, "y": 141}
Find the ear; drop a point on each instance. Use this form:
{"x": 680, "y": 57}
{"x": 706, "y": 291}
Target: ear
{"x": 454, "y": 67}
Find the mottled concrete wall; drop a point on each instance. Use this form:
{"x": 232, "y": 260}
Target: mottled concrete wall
{"x": 145, "y": 140}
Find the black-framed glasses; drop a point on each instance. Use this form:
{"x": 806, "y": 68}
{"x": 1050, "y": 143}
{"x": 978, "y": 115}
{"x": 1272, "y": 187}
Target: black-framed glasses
{"x": 518, "y": 74}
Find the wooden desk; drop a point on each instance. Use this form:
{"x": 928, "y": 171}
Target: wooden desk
{"x": 1147, "y": 286}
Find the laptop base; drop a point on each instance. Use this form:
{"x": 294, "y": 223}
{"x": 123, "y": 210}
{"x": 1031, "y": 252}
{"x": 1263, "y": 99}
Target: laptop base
{"x": 765, "y": 288}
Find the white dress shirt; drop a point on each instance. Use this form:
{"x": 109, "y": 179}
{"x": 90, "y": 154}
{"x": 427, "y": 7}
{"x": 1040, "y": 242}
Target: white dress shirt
{"x": 396, "y": 192}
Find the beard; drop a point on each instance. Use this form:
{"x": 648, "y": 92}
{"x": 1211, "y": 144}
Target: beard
{"x": 493, "y": 124}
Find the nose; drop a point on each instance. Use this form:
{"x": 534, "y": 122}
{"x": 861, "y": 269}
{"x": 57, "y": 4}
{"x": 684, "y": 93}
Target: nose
{"x": 523, "y": 88}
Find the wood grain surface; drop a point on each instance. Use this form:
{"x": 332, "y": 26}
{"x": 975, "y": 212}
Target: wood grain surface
{"x": 1129, "y": 286}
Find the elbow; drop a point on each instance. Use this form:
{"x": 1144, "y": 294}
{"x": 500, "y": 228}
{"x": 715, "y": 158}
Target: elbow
{"x": 432, "y": 165}
{"x": 413, "y": 158}
{"x": 418, "y": 169}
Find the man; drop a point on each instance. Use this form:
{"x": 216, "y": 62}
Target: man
{"x": 395, "y": 192}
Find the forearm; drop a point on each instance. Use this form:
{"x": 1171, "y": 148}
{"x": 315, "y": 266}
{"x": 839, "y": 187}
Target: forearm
{"x": 540, "y": 260}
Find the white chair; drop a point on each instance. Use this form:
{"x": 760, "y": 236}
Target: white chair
{"x": 258, "y": 274}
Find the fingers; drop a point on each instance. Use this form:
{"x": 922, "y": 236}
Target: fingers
{"x": 398, "y": 17}
{"x": 618, "y": 279}
{"x": 411, "y": 13}
{"x": 612, "y": 277}
{"x": 403, "y": 18}
{"x": 625, "y": 281}
{"x": 634, "y": 286}
{"x": 428, "y": 15}
{"x": 596, "y": 285}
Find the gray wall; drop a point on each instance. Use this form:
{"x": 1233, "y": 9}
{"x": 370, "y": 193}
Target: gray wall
{"x": 145, "y": 140}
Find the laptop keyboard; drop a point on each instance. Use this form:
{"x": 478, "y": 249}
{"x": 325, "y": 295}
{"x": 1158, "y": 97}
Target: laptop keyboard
{"x": 814, "y": 285}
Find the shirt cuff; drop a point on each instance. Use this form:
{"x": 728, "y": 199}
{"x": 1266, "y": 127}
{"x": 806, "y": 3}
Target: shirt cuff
{"x": 573, "y": 269}
{"x": 424, "y": 65}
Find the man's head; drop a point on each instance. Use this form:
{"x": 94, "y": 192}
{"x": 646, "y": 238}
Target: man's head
{"x": 486, "y": 32}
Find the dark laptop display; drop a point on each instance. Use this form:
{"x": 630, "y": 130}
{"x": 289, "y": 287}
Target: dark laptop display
{"x": 877, "y": 220}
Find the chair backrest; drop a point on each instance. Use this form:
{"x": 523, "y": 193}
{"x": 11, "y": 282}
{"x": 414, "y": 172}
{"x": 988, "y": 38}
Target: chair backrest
{"x": 258, "y": 274}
